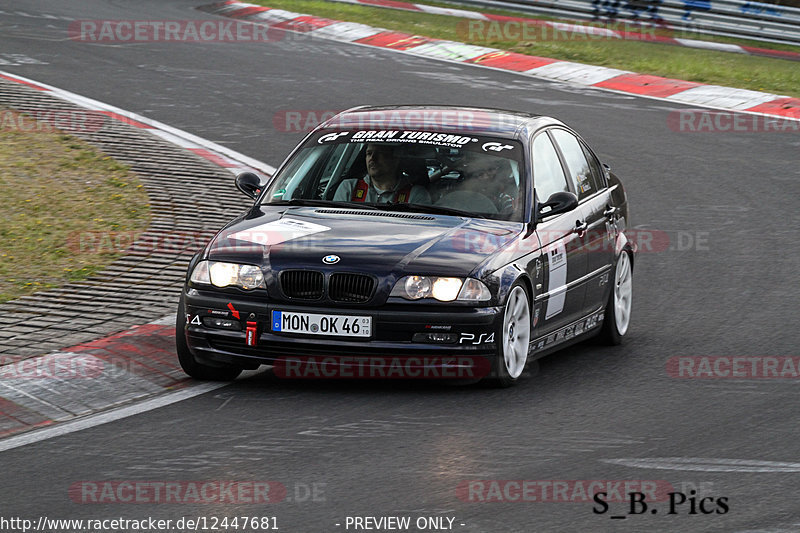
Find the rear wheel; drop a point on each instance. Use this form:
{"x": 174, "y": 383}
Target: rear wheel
{"x": 189, "y": 364}
{"x": 618, "y": 309}
{"x": 514, "y": 338}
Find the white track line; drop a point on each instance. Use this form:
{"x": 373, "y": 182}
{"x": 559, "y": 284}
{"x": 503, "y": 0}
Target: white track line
{"x": 179, "y": 137}
{"x": 105, "y": 417}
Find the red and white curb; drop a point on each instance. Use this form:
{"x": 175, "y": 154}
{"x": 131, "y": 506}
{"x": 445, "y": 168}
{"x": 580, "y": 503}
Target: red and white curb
{"x": 93, "y": 376}
{"x": 219, "y": 155}
{"x": 94, "y": 383}
{"x": 109, "y": 373}
{"x": 566, "y": 28}
{"x": 621, "y": 81}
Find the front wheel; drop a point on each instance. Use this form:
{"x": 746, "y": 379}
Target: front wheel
{"x": 618, "y": 309}
{"x": 514, "y": 338}
{"x": 189, "y": 364}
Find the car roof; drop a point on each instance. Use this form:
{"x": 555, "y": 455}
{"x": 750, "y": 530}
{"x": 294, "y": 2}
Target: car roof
{"x": 476, "y": 120}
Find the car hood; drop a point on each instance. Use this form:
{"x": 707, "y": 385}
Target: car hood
{"x": 376, "y": 242}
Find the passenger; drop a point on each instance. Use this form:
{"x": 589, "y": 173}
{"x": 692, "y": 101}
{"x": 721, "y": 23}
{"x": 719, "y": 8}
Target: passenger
{"x": 383, "y": 183}
{"x": 492, "y": 177}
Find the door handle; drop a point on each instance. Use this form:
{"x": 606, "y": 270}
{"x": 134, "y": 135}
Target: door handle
{"x": 610, "y": 212}
{"x": 581, "y": 226}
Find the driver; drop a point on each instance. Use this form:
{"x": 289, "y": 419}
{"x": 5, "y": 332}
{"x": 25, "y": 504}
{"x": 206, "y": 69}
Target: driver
{"x": 383, "y": 183}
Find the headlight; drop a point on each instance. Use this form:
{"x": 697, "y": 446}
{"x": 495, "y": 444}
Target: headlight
{"x": 228, "y": 274}
{"x": 223, "y": 274}
{"x": 446, "y": 289}
{"x": 474, "y": 290}
{"x": 200, "y": 273}
{"x": 250, "y": 277}
{"x": 440, "y": 288}
{"x": 416, "y": 287}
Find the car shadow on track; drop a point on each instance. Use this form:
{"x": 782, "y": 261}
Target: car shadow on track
{"x": 575, "y": 365}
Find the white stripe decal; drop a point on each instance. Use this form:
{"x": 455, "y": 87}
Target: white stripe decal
{"x": 557, "y": 277}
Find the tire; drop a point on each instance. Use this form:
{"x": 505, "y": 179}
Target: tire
{"x": 513, "y": 338}
{"x": 617, "y": 317}
{"x": 189, "y": 364}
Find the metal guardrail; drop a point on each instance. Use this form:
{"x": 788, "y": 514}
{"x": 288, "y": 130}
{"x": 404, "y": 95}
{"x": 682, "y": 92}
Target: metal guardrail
{"x": 730, "y": 18}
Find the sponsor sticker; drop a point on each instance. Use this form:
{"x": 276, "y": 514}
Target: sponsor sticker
{"x": 557, "y": 267}
{"x": 278, "y": 231}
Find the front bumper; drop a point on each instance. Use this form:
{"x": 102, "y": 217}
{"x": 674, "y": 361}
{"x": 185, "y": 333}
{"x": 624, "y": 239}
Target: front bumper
{"x": 397, "y": 332}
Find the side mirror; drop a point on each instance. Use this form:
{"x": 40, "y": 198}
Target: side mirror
{"x": 559, "y": 202}
{"x": 249, "y": 183}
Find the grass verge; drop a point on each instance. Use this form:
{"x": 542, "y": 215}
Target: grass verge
{"x": 56, "y": 191}
{"x": 705, "y": 66}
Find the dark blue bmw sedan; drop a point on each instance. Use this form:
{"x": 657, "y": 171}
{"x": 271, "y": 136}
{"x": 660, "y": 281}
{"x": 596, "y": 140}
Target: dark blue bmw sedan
{"x": 425, "y": 241}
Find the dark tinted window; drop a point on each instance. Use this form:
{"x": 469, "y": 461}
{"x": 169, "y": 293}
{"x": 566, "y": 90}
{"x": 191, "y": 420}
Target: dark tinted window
{"x": 548, "y": 176}
{"x": 579, "y": 171}
{"x": 597, "y": 169}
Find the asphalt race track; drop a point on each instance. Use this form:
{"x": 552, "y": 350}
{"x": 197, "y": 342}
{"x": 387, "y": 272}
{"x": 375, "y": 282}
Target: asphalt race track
{"x": 726, "y": 285}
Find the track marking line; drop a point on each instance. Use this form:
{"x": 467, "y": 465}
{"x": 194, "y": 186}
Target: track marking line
{"x": 105, "y": 417}
{"x": 177, "y": 136}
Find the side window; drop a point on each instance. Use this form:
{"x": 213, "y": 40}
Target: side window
{"x": 598, "y": 174}
{"x": 548, "y": 176}
{"x": 577, "y": 165}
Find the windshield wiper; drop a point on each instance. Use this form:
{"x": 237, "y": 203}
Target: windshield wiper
{"x": 319, "y": 203}
{"x": 426, "y": 208}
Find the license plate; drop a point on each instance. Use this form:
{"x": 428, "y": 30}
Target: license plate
{"x": 316, "y": 324}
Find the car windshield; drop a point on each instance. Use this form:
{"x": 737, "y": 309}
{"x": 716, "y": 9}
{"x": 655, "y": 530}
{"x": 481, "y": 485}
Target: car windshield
{"x": 424, "y": 171}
